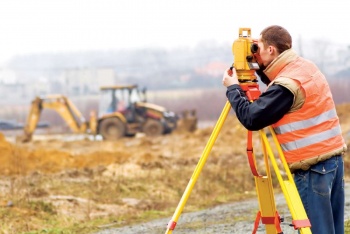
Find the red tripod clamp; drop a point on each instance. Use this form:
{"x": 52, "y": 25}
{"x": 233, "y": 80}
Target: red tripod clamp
{"x": 251, "y": 89}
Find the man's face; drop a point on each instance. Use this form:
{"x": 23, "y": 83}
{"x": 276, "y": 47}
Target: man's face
{"x": 264, "y": 54}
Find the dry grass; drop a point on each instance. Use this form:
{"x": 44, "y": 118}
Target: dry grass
{"x": 81, "y": 186}
{"x": 30, "y": 208}
{"x": 74, "y": 187}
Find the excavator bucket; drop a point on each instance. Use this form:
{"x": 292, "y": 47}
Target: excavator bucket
{"x": 24, "y": 138}
{"x": 188, "y": 121}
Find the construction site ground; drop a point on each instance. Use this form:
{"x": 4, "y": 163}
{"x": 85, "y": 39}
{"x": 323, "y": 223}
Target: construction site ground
{"x": 232, "y": 218}
{"x": 77, "y": 184}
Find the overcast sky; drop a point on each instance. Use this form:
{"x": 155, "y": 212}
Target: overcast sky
{"x": 33, "y": 26}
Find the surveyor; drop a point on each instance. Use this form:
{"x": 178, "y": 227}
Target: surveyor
{"x": 298, "y": 104}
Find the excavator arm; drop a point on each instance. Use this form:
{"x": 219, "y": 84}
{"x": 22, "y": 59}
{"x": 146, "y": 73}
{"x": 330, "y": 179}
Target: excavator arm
{"x": 32, "y": 119}
{"x": 63, "y": 106}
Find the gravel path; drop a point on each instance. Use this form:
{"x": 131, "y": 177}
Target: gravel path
{"x": 230, "y": 218}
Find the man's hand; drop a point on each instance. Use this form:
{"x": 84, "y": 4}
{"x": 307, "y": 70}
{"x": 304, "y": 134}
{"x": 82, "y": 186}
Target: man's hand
{"x": 230, "y": 77}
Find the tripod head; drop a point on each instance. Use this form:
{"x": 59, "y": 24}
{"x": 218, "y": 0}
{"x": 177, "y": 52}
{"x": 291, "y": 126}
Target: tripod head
{"x": 245, "y": 64}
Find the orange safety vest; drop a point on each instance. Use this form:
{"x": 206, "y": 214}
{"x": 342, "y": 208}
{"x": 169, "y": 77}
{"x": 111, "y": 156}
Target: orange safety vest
{"x": 314, "y": 129}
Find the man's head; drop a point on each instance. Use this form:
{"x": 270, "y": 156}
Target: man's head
{"x": 273, "y": 41}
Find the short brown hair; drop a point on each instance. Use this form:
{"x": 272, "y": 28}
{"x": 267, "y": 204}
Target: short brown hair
{"x": 278, "y": 37}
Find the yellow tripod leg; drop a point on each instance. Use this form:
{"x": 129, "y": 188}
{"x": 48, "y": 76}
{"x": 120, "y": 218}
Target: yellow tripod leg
{"x": 291, "y": 194}
{"x": 267, "y": 207}
{"x": 198, "y": 169}
{"x": 267, "y": 204}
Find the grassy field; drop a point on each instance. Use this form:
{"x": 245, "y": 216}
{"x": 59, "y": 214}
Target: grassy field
{"x": 75, "y": 185}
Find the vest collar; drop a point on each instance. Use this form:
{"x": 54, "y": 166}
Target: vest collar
{"x": 274, "y": 68}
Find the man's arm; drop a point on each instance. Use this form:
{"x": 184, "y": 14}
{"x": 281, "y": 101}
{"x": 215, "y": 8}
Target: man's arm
{"x": 270, "y": 107}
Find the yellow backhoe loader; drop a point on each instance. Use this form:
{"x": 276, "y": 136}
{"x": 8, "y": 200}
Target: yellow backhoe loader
{"x": 121, "y": 113}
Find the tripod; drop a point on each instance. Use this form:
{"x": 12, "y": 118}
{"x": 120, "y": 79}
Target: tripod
{"x": 267, "y": 209}
{"x": 245, "y": 64}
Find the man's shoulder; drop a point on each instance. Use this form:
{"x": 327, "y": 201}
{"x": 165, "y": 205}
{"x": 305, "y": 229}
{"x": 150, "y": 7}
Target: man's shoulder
{"x": 295, "y": 88}
{"x": 288, "y": 83}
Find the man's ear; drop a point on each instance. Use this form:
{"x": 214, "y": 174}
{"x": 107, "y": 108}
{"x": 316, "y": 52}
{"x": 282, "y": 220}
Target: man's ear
{"x": 271, "y": 49}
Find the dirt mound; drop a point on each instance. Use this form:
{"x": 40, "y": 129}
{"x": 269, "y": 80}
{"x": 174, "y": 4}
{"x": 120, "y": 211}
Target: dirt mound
{"x": 50, "y": 156}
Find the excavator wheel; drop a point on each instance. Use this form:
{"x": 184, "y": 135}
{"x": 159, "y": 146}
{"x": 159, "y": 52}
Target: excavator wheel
{"x": 153, "y": 127}
{"x": 112, "y": 129}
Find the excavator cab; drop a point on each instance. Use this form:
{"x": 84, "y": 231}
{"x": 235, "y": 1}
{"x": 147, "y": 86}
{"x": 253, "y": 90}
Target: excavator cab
{"x": 116, "y": 99}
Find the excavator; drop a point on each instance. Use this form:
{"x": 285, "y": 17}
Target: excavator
{"x": 123, "y": 111}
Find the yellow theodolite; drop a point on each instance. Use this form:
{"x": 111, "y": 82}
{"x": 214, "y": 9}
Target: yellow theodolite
{"x": 245, "y": 64}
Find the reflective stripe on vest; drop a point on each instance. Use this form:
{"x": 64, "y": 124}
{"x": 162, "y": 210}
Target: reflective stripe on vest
{"x": 307, "y": 141}
{"x": 306, "y": 123}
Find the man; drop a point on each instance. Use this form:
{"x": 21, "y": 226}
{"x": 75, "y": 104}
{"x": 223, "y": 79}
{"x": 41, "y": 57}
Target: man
{"x": 299, "y": 105}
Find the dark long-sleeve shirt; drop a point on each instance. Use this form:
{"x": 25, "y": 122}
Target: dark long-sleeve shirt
{"x": 270, "y": 107}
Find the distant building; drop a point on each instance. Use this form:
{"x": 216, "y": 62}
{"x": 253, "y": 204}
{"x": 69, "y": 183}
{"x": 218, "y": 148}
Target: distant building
{"x": 10, "y": 89}
{"x": 7, "y": 76}
{"x": 87, "y": 81}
